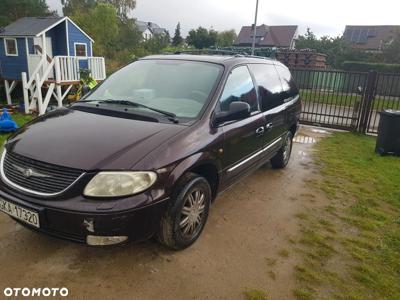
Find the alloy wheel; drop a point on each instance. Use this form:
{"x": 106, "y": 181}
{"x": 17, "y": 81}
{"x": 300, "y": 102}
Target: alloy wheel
{"x": 192, "y": 215}
{"x": 287, "y": 148}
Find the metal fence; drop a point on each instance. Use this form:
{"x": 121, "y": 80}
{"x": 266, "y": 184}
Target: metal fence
{"x": 346, "y": 100}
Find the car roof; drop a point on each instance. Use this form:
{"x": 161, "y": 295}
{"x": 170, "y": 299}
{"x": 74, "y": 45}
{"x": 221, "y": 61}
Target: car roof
{"x": 226, "y": 60}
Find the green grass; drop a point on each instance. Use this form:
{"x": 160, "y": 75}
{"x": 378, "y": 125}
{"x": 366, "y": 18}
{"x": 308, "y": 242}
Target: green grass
{"x": 255, "y": 294}
{"x": 347, "y": 99}
{"x": 20, "y": 119}
{"x": 359, "y": 229}
{"x": 284, "y": 253}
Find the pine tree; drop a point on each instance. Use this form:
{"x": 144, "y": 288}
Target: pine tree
{"x": 177, "y": 40}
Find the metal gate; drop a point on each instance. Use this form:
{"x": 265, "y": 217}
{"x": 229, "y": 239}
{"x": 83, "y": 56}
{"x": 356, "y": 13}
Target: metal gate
{"x": 346, "y": 100}
{"x": 386, "y": 95}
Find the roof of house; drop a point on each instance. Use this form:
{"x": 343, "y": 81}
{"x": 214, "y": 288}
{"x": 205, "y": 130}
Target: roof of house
{"x": 34, "y": 26}
{"x": 370, "y": 37}
{"x": 276, "y": 36}
{"x": 142, "y": 26}
{"x": 153, "y": 27}
{"x": 29, "y": 26}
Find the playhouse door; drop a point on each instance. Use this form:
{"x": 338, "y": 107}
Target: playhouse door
{"x": 49, "y": 46}
{"x": 49, "y": 50}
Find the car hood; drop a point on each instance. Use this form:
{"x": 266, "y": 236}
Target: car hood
{"x": 90, "y": 141}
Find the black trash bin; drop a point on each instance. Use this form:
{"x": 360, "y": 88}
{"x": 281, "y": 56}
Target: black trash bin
{"x": 388, "y": 141}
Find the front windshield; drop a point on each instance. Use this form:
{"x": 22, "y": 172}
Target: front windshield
{"x": 176, "y": 86}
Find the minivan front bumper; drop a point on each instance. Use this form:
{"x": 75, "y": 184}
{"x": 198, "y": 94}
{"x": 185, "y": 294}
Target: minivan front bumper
{"x": 86, "y": 227}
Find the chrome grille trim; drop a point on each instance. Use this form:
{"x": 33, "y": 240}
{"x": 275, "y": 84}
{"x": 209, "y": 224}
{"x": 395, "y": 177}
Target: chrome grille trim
{"x": 27, "y": 190}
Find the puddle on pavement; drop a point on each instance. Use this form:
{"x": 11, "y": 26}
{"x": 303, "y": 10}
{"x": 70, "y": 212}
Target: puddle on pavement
{"x": 320, "y": 131}
{"x": 302, "y": 154}
{"x": 303, "y": 139}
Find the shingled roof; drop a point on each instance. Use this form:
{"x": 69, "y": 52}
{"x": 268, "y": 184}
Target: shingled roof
{"x": 267, "y": 36}
{"x": 153, "y": 27}
{"x": 370, "y": 37}
{"x": 29, "y": 26}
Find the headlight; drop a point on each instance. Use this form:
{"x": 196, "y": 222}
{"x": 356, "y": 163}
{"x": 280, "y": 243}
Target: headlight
{"x": 117, "y": 184}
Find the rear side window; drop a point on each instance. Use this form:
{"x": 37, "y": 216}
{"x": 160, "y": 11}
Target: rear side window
{"x": 289, "y": 86}
{"x": 269, "y": 85}
{"x": 239, "y": 87}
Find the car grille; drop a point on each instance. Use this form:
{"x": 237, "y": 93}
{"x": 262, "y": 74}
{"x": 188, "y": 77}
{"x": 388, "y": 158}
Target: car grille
{"x": 37, "y": 177}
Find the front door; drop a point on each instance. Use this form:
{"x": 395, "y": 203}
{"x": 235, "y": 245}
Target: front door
{"x": 242, "y": 138}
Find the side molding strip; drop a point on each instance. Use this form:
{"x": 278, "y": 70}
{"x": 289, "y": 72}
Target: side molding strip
{"x": 254, "y": 155}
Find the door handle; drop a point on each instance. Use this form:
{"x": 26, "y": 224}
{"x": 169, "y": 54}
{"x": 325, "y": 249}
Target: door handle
{"x": 268, "y": 126}
{"x": 260, "y": 130}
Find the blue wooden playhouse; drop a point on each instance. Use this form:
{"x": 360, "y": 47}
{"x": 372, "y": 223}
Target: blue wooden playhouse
{"x": 45, "y": 52}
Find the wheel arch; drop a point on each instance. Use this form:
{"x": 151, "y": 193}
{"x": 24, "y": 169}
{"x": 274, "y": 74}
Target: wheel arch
{"x": 202, "y": 164}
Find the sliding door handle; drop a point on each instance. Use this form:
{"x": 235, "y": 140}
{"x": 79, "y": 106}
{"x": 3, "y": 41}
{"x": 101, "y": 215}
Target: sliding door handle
{"x": 269, "y": 126}
{"x": 260, "y": 130}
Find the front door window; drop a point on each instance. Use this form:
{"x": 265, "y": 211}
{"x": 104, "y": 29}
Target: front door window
{"x": 239, "y": 87}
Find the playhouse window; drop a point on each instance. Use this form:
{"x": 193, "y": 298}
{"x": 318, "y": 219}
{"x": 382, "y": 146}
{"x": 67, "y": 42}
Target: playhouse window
{"x": 80, "y": 50}
{"x": 11, "y": 47}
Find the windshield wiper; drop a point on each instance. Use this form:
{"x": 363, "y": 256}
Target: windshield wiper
{"x": 171, "y": 116}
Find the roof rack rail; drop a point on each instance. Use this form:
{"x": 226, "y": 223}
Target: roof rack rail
{"x": 216, "y": 52}
{"x": 211, "y": 51}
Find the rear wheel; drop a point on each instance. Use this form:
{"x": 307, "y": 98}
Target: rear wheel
{"x": 282, "y": 157}
{"x": 187, "y": 213}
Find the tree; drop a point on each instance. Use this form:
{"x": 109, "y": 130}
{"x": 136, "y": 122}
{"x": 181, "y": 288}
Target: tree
{"x": 12, "y": 10}
{"x": 201, "y": 38}
{"x": 122, "y": 6}
{"x": 71, "y": 7}
{"x": 307, "y": 41}
{"x": 101, "y": 22}
{"x": 226, "y": 38}
{"x": 157, "y": 43}
{"x": 336, "y": 49}
{"x": 177, "y": 39}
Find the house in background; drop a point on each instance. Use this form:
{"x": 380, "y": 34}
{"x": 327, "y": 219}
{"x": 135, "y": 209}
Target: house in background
{"x": 268, "y": 36}
{"x": 370, "y": 37}
{"x": 46, "y": 52}
{"x": 149, "y": 29}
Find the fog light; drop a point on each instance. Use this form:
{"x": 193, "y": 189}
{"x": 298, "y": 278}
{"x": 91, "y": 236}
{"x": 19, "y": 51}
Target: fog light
{"x": 94, "y": 240}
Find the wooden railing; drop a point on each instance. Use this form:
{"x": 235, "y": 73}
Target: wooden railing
{"x": 68, "y": 68}
{"x": 61, "y": 70}
{"x": 97, "y": 67}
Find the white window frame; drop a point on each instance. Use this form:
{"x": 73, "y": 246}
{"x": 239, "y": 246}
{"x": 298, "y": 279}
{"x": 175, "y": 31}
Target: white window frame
{"x": 5, "y": 46}
{"x": 75, "y": 44}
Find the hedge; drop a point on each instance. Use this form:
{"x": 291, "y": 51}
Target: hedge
{"x": 367, "y": 66}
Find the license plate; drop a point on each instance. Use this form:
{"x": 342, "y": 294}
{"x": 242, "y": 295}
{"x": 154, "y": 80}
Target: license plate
{"x": 20, "y": 213}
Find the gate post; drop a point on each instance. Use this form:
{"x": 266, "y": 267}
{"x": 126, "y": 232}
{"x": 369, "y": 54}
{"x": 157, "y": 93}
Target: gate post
{"x": 367, "y": 102}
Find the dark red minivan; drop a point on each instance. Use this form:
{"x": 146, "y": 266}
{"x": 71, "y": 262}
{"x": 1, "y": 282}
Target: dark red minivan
{"x": 149, "y": 149}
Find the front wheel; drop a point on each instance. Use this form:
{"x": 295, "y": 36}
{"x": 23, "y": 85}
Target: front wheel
{"x": 281, "y": 158}
{"x": 187, "y": 213}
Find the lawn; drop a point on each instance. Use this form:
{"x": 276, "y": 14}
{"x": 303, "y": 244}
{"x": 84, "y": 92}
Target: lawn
{"x": 347, "y": 99}
{"x": 351, "y": 246}
{"x": 20, "y": 119}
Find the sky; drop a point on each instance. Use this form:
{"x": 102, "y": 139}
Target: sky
{"x": 323, "y": 17}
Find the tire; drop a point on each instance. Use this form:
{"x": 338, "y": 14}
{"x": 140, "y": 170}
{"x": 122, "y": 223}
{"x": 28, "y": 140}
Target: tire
{"x": 191, "y": 202}
{"x": 282, "y": 157}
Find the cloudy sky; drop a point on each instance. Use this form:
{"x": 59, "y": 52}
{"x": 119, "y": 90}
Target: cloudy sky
{"x": 323, "y": 17}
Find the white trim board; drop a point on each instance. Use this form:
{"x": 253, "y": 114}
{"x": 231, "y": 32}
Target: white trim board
{"x": 80, "y": 29}
{"x": 67, "y": 36}
{"x": 51, "y": 26}
{"x": 75, "y": 44}
{"x": 5, "y": 46}
{"x": 60, "y": 21}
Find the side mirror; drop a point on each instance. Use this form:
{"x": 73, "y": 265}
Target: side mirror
{"x": 238, "y": 110}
